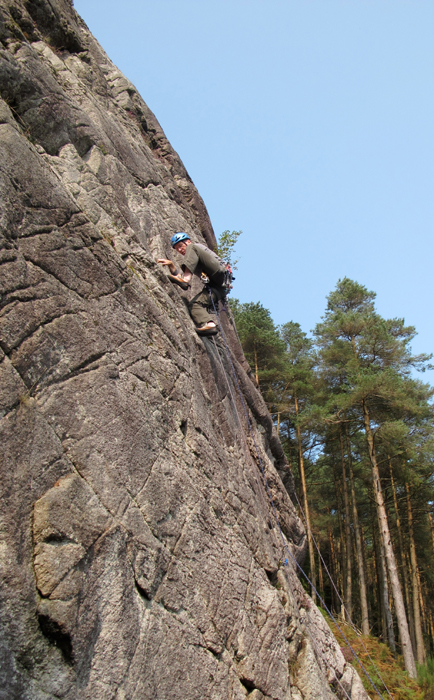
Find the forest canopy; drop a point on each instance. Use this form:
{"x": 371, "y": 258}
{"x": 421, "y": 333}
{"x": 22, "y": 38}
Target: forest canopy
{"x": 357, "y": 426}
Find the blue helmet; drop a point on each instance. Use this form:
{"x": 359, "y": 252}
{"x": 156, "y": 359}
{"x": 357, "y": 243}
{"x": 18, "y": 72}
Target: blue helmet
{"x": 177, "y": 238}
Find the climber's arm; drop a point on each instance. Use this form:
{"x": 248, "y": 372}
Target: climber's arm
{"x": 186, "y": 275}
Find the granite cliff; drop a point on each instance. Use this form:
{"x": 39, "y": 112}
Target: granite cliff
{"x": 140, "y": 556}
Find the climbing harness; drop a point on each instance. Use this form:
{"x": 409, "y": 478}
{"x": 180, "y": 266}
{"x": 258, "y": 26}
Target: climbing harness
{"x": 285, "y": 545}
{"x": 226, "y": 282}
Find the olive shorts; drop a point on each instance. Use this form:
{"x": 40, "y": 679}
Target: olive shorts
{"x": 200, "y": 304}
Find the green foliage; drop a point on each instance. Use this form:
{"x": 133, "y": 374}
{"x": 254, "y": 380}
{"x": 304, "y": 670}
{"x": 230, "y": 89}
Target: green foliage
{"x": 102, "y": 148}
{"x": 386, "y": 672}
{"x": 425, "y": 678}
{"x": 363, "y": 357}
{"x": 263, "y": 347}
{"x": 298, "y": 376}
{"x": 226, "y": 245}
{"x": 316, "y": 390}
{"x": 295, "y": 390}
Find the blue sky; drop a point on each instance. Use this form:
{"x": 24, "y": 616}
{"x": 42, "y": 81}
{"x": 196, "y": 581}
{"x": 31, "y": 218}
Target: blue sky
{"x": 307, "y": 124}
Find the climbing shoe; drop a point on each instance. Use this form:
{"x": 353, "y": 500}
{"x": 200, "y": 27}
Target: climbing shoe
{"x": 176, "y": 279}
{"x": 209, "y": 328}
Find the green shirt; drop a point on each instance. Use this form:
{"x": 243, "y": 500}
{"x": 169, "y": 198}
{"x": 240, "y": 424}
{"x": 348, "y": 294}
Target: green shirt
{"x": 198, "y": 258}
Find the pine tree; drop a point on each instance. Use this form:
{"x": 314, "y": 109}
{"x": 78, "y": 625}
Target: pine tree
{"x": 371, "y": 358}
{"x": 260, "y": 339}
{"x": 291, "y": 393}
{"x": 359, "y": 429}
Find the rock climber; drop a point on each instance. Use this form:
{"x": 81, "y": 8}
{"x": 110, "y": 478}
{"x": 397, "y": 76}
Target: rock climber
{"x": 198, "y": 260}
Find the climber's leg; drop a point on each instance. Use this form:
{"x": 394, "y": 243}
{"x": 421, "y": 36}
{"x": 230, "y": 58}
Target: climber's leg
{"x": 200, "y": 305}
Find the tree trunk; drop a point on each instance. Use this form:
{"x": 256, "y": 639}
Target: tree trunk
{"x": 340, "y": 582}
{"x": 382, "y": 626}
{"x": 334, "y": 568}
{"x": 348, "y": 588}
{"x": 422, "y": 600}
{"x": 404, "y": 567}
{"x": 382, "y": 629}
{"x": 359, "y": 548}
{"x": 431, "y": 628}
{"x": 432, "y": 529}
{"x": 321, "y": 581}
{"x": 256, "y": 366}
{"x": 370, "y": 573}
{"x": 407, "y": 650}
{"x": 420, "y": 648}
{"x": 386, "y": 603}
{"x": 305, "y": 504}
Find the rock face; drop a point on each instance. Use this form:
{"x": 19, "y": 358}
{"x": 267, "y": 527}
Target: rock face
{"x": 140, "y": 554}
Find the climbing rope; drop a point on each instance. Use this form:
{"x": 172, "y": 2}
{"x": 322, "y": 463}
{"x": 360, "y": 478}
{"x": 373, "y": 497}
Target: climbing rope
{"x": 284, "y": 542}
{"x": 227, "y": 382}
{"x": 242, "y": 433}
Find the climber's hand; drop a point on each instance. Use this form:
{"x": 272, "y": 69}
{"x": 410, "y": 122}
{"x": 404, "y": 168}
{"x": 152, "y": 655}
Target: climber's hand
{"x": 169, "y": 263}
